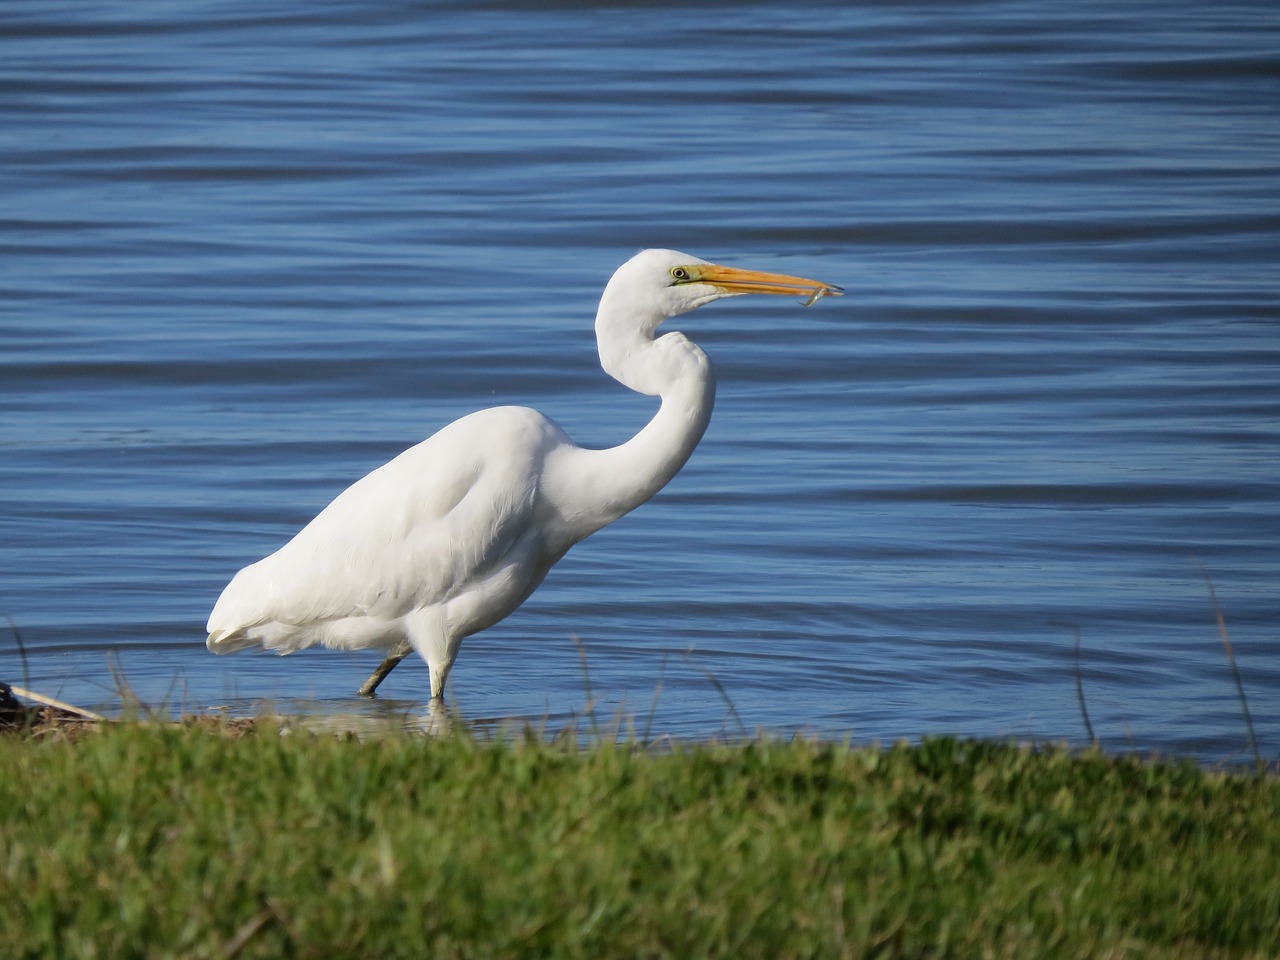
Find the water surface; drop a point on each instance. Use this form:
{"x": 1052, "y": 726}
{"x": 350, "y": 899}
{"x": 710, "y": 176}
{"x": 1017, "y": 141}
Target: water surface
{"x": 248, "y": 252}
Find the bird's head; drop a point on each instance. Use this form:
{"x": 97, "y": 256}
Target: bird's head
{"x": 665, "y": 283}
{"x": 657, "y": 284}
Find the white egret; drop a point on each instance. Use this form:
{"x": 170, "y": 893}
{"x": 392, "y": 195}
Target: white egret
{"x": 455, "y": 533}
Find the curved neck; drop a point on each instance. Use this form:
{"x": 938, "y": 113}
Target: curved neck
{"x": 592, "y": 488}
{"x": 631, "y": 473}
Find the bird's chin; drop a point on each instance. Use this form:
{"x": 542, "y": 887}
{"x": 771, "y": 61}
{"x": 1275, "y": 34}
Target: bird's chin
{"x": 712, "y": 294}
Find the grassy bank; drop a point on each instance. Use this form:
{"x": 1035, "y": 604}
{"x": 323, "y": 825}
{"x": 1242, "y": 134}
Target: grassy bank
{"x": 147, "y": 841}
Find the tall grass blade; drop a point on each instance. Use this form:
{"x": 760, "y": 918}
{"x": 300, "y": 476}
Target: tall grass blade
{"x": 653, "y": 707}
{"x": 129, "y": 699}
{"x": 1084, "y": 708}
{"x": 1235, "y": 667}
{"x": 719, "y": 688}
{"x": 586, "y": 683}
{"x": 22, "y": 650}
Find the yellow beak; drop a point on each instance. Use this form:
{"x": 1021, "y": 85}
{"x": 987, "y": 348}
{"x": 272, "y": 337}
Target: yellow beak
{"x": 734, "y": 281}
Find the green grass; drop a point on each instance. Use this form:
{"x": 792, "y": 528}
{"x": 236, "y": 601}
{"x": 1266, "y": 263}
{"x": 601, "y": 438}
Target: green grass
{"x": 150, "y": 841}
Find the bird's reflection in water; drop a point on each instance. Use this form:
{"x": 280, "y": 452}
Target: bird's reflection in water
{"x": 436, "y": 718}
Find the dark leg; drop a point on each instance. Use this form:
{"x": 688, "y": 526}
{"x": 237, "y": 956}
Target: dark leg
{"x": 398, "y": 653}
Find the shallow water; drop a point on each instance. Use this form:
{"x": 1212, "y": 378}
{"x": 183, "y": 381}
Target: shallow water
{"x": 251, "y": 251}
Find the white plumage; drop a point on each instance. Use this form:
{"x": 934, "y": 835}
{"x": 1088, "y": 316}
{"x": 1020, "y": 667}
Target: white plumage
{"x": 455, "y": 533}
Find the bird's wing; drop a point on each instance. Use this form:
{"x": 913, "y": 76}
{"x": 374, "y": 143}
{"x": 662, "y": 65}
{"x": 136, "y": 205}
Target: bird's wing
{"x": 413, "y": 533}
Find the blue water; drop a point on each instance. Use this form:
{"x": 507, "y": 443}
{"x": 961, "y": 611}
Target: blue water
{"x": 250, "y": 251}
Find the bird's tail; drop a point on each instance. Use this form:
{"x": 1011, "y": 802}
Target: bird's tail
{"x": 231, "y": 641}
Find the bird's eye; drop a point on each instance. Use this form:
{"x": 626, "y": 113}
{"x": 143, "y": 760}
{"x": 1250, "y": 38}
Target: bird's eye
{"x": 679, "y": 273}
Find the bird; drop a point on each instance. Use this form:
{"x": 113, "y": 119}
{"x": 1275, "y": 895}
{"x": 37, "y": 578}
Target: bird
{"x": 455, "y": 533}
